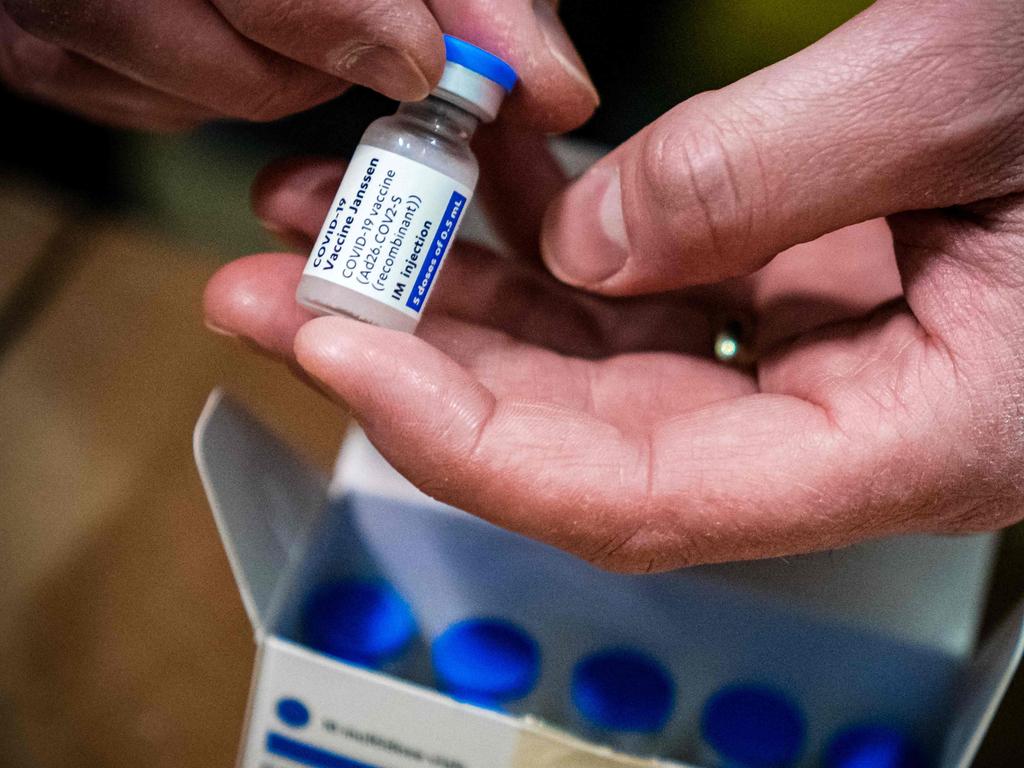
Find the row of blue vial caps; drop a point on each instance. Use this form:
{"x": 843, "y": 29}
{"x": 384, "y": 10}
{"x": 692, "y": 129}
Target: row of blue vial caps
{"x": 622, "y": 695}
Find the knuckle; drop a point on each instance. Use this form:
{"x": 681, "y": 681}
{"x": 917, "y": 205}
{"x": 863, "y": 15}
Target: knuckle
{"x": 689, "y": 170}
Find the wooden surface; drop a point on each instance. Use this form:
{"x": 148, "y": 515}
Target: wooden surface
{"x": 122, "y": 637}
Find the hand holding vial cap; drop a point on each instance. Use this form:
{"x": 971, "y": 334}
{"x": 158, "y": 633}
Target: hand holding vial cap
{"x": 589, "y": 411}
{"x": 178, "y": 63}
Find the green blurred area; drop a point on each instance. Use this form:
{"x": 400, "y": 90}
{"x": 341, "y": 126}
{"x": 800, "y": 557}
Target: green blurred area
{"x": 197, "y": 188}
{"x": 709, "y": 44}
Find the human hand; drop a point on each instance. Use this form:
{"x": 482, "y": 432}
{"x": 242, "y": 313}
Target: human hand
{"x": 888, "y": 393}
{"x": 574, "y": 382}
{"x": 172, "y": 65}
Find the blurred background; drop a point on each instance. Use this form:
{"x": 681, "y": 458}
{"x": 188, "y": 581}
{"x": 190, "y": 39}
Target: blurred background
{"x": 122, "y": 637}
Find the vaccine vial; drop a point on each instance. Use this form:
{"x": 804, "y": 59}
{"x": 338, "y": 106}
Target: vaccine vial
{"x": 400, "y": 203}
{"x": 361, "y": 621}
{"x": 489, "y": 662}
{"x": 751, "y": 725}
{"x": 872, "y": 746}
{"x": 624, "y": 698}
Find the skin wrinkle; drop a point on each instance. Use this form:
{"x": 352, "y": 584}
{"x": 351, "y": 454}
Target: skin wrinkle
{"x": 761, "y": 185}
{"x": 695, "y": 151}
{"x": 480, "y": 430}
{"x": 609, "y": 556}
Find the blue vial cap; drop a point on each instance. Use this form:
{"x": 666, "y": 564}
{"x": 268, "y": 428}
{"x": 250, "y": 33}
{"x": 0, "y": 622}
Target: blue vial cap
{"x": 486, "y": 661}
{"x": 872, "y": 746}
{"x": 362, "y": 621}
{"x": 480, "y": 61}
{"x": 621, "y": 689}
{"x": 753, "y": 726}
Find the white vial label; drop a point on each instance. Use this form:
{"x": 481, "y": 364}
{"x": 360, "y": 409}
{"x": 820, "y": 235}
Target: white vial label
{"x": 389, "y": 229}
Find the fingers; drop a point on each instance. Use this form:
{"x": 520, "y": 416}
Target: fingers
{"x": 840, "y": 445}
{"x": 291, "y": 197}
{"x": 712, "y": 483}
{"x": 521, "y": 300}
{"x": 511, "y": 366}
{"x": 254, "y": 299}
{"x": 392, "y": 46}
{"x": 185, "y": 49}
{"x": 519, "y": 176}
{"x": 908, "y": 106}
{"x": 554, "y": 93}
{"x": 261, "y": 60}
{"x": 43, "y": 71}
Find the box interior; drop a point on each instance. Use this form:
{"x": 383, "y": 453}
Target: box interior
{"x": 825, "y": 628}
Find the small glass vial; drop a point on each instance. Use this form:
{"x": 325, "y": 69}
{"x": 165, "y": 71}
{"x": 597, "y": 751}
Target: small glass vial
{"x": 751, "y": 725}
{"x": 624, "y": 698}
{"x": 401, "y": 201}
{"x": 489, "y": 662}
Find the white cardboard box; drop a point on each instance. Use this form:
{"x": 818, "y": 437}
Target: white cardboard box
{"x": 882, "y": 630}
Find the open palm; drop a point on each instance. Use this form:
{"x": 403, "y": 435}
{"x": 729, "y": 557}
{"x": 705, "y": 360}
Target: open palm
{"x": 605, "y": 427}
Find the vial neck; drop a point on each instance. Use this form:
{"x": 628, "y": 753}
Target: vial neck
{"x": 441, "y": 117}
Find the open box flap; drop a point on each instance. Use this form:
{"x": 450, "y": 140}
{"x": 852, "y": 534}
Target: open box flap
{"x": 927, "y": 590}
{"x": 264, "y": 498}
{"x": 984, "y": 682}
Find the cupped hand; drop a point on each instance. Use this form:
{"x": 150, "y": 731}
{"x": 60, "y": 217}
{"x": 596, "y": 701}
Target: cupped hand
{"x": 604, "y": 426}
{"x": 174, "y": 64}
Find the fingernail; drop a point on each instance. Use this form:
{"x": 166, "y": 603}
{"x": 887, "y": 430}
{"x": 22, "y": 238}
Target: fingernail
{"x": 561, "y": 46}
{"x": 218, "y": 330}
{"x": 287, "y": 236}
{"x": 387, "y": 70}
{"x": 584, "y": 240}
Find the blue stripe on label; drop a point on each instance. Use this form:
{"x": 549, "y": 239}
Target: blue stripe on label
{"x": 442, "y": 239}
{"x": 298, "y": 752}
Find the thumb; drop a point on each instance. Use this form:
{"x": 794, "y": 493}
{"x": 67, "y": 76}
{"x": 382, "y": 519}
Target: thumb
{"x": 908, "y": 106}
